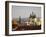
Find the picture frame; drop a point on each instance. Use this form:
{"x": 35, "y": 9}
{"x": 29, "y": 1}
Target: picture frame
{"x": 11, "y": 6}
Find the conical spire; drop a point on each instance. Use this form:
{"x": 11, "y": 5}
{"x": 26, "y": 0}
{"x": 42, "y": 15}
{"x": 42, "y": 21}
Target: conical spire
{"x": 32, "y": 15}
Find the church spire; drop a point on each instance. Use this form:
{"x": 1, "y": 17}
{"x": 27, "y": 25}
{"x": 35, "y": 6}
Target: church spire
{"x": 32, "y": 15}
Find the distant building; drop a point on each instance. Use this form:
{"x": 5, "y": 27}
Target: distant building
{"x": 33, "y": 20}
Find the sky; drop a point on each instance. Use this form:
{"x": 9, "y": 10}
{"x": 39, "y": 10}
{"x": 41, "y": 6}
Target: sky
{"x": 25, "y": 11}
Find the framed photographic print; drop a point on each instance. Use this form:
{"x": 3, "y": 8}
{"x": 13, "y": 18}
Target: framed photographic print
{"x": 24, "y": 18}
